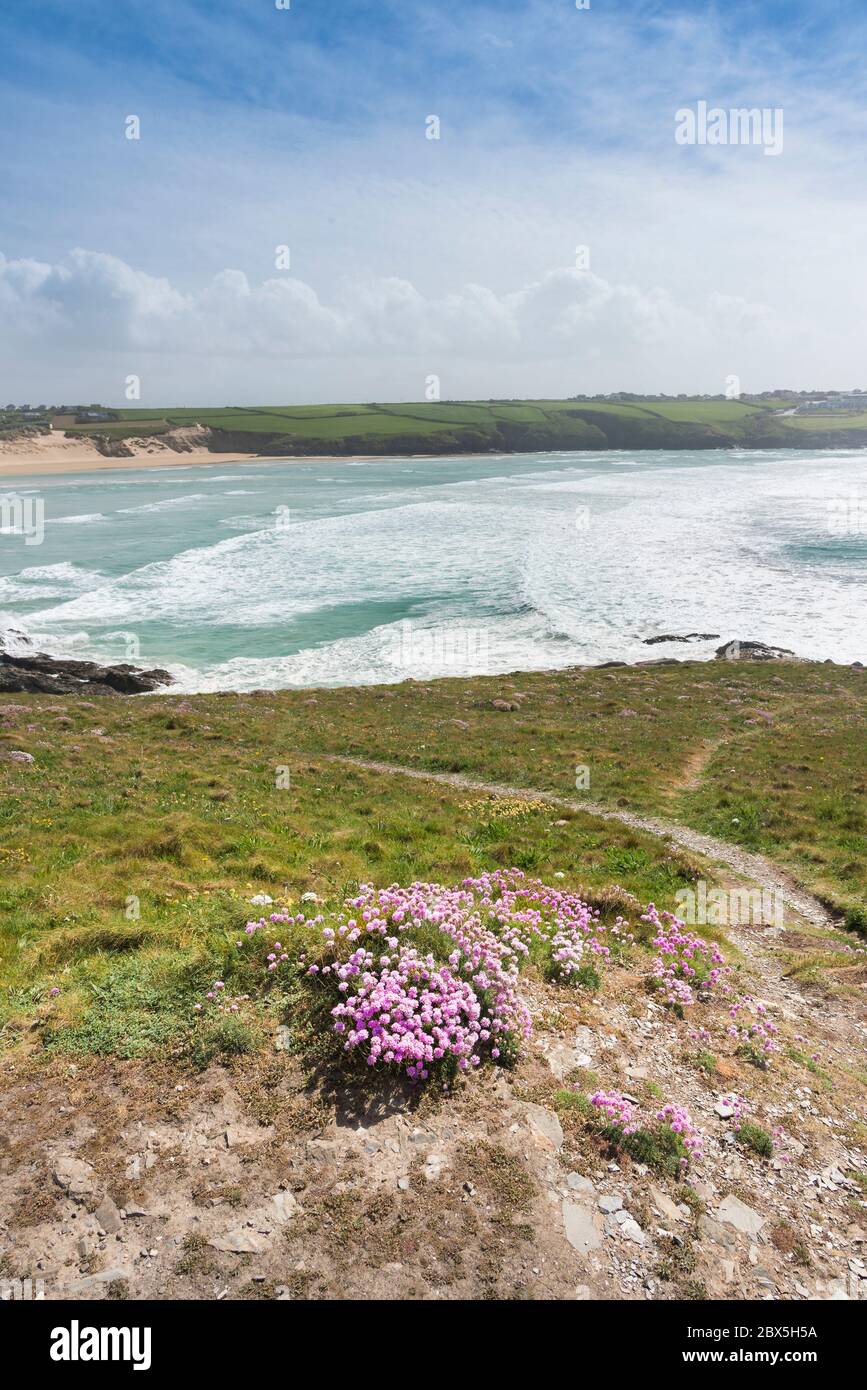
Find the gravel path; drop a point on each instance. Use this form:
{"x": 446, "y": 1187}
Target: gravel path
{"x": 762, "y": 872}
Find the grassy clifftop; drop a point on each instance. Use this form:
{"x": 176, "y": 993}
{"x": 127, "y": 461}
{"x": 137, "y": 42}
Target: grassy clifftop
{"x": 183, "y": 1118}
{"x": 483, "y": 426}
{"x": 130, "y": 847}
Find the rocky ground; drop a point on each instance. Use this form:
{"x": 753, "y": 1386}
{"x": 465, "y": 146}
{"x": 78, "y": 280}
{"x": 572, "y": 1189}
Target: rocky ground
{"x": 41, "y": 674}
{"x": 118, "y": 1180}
{"x": 255, "y": 1178}
{"x": 23, "y": 669}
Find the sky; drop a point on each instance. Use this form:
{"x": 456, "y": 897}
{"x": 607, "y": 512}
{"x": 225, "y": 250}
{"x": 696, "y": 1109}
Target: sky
{"x": 285, "y": 230}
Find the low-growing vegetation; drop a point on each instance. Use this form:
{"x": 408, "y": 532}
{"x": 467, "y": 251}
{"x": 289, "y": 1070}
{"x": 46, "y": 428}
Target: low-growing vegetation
{"x": 364, "y": 1031}
{"x": 131, "y": 848}
{"x": 480, "y": 426}
{"x": 425, "y": 979}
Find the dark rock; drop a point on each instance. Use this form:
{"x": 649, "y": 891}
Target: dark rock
{"x": 752, "y": 651}
{"x": 47, "y": 675}
{"x": 688, "y": 637}
{"x": 18, "y": 638}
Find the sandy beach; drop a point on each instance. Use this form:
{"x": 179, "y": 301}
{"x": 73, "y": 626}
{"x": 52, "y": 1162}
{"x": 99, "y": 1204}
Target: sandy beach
{"x": 57, "y": 453}
{"x": 34, "y": 465}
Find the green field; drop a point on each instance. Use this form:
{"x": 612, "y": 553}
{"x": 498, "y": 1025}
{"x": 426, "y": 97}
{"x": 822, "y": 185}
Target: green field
{"x": 830, "y": 422}
{"x": 450, "y": 427}
{"x": 704, "y": 412}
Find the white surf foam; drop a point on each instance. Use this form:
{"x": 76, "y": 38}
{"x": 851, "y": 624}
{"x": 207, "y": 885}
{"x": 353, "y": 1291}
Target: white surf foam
{"x": 570, "y": 562}
{"x": 166, "y": 505}
{"x": 63, "y": 581}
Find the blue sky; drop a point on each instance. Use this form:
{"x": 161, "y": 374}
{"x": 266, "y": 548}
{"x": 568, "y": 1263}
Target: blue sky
{"x": 306, "y": 127}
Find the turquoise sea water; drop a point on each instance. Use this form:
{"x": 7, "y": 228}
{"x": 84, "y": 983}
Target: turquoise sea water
{"x": 269, "y": 574}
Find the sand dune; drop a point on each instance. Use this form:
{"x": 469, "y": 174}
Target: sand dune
{"x": 33, "y": 454}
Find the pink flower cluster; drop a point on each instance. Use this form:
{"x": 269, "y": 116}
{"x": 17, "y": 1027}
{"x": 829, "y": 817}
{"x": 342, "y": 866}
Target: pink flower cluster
{"x": 687, "y": 968}
{"x": 738, "y": 1106}
{"x": 567, "y": 950}
{"x": 617, "y": 1109}
{"x": 756, "y": 1037}
{"x": 404, "y": 1002}
{"x": 218, "y": 1001}
{"x": 417, "y": 1011}
{"x": 624, "y": 1115}
{"x": 279, "y": 919}
{"x": 678, "y": 1121}
{"x": 781, "y": 1142}
{"x": 412, "y": 1012}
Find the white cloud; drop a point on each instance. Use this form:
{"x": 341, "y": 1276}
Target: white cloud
{"x": 91, "y": 301}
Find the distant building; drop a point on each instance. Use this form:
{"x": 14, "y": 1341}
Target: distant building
{"x": 829, "y": 404}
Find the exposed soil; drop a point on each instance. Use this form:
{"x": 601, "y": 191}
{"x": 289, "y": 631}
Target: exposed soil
{"x": 255, "y": 1181}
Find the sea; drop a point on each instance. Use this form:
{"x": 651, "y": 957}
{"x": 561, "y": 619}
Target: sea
{"x": 287, "y": 573}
